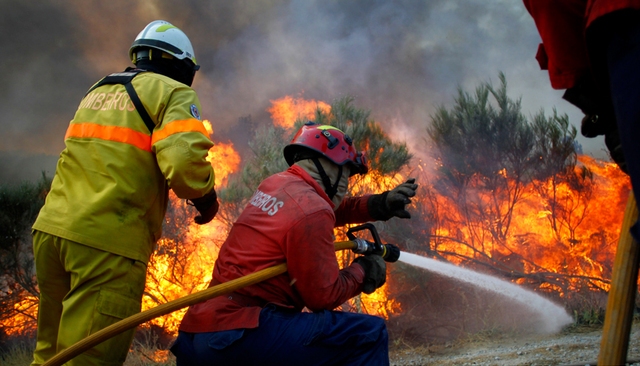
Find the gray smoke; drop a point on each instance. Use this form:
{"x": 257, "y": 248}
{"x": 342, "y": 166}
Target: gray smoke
{"x": 399, "y": 59}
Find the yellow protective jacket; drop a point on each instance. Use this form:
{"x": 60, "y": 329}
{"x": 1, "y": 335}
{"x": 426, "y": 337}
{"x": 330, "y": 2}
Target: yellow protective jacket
{"x": 110, "y": 190}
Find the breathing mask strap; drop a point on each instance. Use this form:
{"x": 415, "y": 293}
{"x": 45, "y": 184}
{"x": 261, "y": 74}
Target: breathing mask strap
{"x": 329, "y": 189}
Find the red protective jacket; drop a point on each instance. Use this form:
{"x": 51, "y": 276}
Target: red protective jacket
{"x": 289, "y": 219}
{"x": 562, "y": 25}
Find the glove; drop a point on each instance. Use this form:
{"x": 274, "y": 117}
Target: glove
{"x": 392, "y": 203}
{"x": 593, "y": 125}
{"x": 375, "y": 272}
{"x": 207, "y": 206}
{"x": 596, "y": 105}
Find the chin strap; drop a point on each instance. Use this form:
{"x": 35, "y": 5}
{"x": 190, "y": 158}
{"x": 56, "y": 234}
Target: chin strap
{"x": 329, "y": 189}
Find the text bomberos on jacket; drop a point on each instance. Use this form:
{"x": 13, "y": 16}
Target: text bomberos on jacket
{"x": 266, "y": 202}
{"x": 106, "y": 101}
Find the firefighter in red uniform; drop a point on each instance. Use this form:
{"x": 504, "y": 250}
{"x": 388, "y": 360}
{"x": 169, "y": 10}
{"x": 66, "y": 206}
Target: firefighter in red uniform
{"x": 291, "y": 218}
{"x": 591, "y": 48}
{"x": 135, "y": 135}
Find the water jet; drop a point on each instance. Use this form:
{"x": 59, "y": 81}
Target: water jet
{"x": 552, "y": 316}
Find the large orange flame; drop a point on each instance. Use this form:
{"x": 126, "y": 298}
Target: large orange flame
{"x": 285, "y": 111}
{"x": 576, "y": 239}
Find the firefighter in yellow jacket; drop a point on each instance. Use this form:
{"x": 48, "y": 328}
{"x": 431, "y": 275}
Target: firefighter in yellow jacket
{"x": 135, "y": 135}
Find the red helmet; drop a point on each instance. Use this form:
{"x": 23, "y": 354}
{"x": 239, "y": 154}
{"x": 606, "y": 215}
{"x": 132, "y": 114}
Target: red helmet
{"x": 329, "y": 142}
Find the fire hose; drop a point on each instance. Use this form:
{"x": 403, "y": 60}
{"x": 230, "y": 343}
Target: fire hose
{"x": 389, "y": 253}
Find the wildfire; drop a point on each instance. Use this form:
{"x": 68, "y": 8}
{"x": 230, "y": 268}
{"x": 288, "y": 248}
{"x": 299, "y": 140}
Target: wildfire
{"x": 578, "y": 240}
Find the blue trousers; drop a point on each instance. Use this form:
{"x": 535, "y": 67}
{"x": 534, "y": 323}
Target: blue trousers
{"x": 291, "y": 338}
{"x": 623, "y": 66}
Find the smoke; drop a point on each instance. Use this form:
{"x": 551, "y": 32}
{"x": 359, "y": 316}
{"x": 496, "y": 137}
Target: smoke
{"x": 398, "y": 59}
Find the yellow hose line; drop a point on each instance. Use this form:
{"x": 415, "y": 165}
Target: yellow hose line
{"x": 137, "y": 319}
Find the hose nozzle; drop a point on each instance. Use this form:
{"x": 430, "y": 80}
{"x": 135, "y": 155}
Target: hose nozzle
{"x": 388, "y": 252}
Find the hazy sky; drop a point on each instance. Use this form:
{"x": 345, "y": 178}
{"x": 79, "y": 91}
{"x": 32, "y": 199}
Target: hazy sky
{"x": 398, "y": 59}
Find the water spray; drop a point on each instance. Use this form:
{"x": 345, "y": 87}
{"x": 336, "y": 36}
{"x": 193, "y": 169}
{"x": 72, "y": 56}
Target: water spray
{"x": 553, "y": 316}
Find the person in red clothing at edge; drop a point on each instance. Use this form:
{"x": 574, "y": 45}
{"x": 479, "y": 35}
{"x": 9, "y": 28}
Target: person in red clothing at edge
{"x": 591, "y": 48}
{"x": 291, "y": 218}
{"x": 135, "y": 135}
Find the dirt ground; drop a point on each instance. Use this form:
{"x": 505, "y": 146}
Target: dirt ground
{"x": 575, "y": 346}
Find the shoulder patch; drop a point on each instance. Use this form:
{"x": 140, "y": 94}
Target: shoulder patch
{"x": 194, "y": 112}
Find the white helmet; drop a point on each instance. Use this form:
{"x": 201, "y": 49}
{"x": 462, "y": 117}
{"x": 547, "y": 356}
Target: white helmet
{"x": 166, "y": 37}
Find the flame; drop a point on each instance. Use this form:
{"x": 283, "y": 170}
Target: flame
{"x": 225, "y": 161}
{"x": 223, "y": 157}
{"x": 380, "y": 303}
{"x": 167, "y": 281}
{"x": 26, "y": 313}
{"x": 285, "y": 111}
{"x": 581, "y": 243}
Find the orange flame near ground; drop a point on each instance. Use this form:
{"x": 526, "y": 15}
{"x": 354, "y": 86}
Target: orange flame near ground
{"x": 167, "y": 282}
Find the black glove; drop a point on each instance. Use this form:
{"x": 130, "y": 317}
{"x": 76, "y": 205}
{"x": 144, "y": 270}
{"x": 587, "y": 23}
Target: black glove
{"x": 207, "y": 206}
{"x": 593, "y": 125}
{"x": 595, "y": 103}
{"x": 392, "y": 203}
{"x": 375, "y": 272}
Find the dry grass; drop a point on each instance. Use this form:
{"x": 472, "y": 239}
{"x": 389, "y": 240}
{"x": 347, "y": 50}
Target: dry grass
{"x": 145, "y": 351}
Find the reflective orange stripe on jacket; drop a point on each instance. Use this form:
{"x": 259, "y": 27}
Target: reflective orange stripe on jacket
{"x": 132, "y": 137}
{"x": 173, "y": 127}
{"x": 110, "y": 133}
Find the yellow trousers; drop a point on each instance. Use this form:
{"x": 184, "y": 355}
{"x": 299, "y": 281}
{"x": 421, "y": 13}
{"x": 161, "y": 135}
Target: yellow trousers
{"x": 83, "y": 290}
